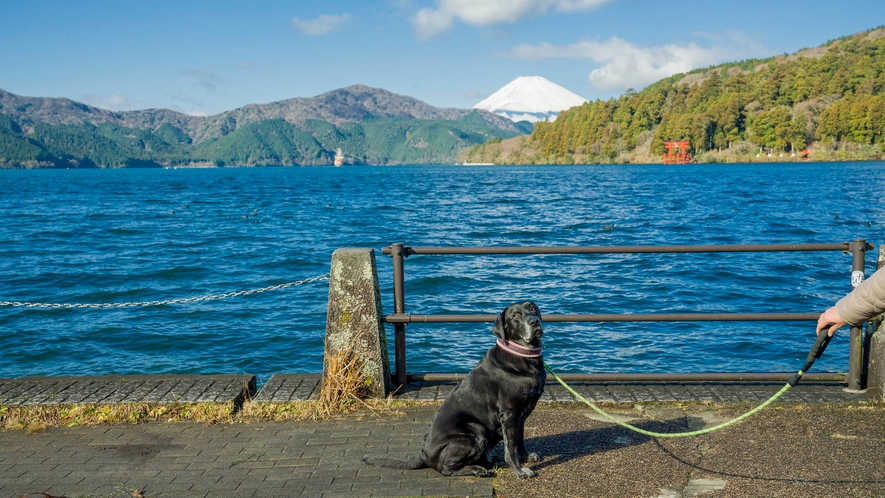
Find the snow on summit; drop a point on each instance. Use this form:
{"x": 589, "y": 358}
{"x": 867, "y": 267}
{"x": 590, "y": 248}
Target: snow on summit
{"x": 530, "y": 98}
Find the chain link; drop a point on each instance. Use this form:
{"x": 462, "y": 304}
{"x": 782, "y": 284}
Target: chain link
{"x": 168, "y": 301}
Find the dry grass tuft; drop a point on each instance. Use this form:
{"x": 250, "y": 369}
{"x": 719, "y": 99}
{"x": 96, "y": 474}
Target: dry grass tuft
{"x": 38, "y": 417}
{"x": 345, "y": 384}
{"x": 278, "y": 412}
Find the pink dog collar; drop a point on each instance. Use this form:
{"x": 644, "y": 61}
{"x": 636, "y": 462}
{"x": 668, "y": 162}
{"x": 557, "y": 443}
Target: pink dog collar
{"x": 518, "y": 350}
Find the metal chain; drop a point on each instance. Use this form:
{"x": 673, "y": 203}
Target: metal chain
{"x": 168, "y": 301}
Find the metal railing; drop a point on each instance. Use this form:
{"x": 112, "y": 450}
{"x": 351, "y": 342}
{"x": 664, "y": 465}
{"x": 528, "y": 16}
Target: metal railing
{"x": 399, "y": 318}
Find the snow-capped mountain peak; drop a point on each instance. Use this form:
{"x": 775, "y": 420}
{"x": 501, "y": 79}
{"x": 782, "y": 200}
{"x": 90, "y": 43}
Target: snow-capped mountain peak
{"x": 530, "y": 98}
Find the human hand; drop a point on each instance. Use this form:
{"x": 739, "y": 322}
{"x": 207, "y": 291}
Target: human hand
{"x": 831, "y": 321}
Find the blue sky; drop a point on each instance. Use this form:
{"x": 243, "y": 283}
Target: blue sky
{"x": 203, "y": 57}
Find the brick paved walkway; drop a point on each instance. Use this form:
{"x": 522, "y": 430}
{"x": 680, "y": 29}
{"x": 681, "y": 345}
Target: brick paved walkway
{"x": 823, "y": 449}
{"x": 261, "y": 459}
{"x": 242, "y": 460}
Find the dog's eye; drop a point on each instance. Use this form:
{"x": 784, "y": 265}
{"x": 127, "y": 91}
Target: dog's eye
{"x": 517, "y": 314}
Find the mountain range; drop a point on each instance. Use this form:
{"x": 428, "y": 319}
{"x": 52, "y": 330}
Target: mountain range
{"x": 826, "y": 103}
{"x": 370, "y": 125}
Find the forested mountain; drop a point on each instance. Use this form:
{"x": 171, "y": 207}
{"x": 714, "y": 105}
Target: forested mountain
{"x": 833, "y": 96}
{"x": 371, "y": 126}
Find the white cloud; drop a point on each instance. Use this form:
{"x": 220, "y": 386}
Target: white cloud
{"x": 625, "y": 65}
{"x": 193, "y": 106}
{"x": 112, "y": 102}
{"x": 432, "y": 21}
{"x": 322, "y": 25}
{"x": 734, "y": 38}
{"x": 208, "y": 79}
{"x": 183, "y": 97}
{"x": 573, "y": 5}
{"x": 474, "y": 95}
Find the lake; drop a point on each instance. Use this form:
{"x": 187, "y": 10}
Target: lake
{"x": 121, "y": 236}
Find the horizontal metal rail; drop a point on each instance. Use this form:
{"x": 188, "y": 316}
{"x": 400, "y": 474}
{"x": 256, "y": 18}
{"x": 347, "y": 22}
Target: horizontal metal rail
{"x": 409, "y": 251}
{"x": 626, "y": 317}
{"x": 400, "y": 318}
{"x": 636, "y": 377}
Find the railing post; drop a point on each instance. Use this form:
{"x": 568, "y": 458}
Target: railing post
{"x": 858, "y": 250}
{"x": 399, "y": 306}
{"x": 355, "y": 322}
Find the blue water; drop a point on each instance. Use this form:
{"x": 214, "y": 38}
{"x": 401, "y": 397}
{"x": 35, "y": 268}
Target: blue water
{"x": 108, "y": 236}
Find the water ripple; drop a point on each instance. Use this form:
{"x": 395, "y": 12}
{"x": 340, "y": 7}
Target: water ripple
{"x": 137, "y": 235}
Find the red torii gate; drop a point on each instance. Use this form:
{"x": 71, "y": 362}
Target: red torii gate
{"x": 677, "y": 152}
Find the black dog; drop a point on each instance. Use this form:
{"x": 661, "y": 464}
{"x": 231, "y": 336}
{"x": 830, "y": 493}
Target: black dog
{"x": 489, "y": 406}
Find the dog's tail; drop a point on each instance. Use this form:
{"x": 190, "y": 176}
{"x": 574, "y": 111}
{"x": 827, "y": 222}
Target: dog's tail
{"x": 414, "y": 462}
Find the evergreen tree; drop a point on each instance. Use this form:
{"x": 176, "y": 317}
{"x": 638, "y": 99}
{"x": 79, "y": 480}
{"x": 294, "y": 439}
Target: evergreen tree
{"x": 756, "y": 100}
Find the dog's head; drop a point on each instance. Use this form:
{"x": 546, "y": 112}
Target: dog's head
{"x": 520, "y": 323}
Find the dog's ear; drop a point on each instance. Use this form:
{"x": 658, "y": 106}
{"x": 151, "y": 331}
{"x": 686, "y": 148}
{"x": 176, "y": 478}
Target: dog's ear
{"x": 498, "y": 328}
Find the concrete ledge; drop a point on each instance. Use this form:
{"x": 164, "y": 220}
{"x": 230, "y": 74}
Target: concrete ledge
{"x": 639, "y": 392}
{"x": 161, "y": 389}
{"x": 283, "y": 388}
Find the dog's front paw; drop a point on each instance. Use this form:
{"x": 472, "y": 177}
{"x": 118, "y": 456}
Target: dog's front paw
{"x": 481, "y": 472}
{"x": 525, "y": 473}
{"x": 533, "y": 458}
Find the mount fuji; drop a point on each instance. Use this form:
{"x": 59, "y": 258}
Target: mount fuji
{"x": 530, "y": 98}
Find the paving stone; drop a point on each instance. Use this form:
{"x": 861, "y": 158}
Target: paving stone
{"x": 39, "y": 393}
{"x": 641, "y": 392}
{"x": 679, "y": 392}
{"x": 111, "y": 392}
{"x": 80, "y": 390}
{"x": 600, "y": 393}
{"x": 283, "y": 388}
{"x": 661, "y": 392}
{"x": 10, "y": 390}
{"x": 620, "y": 393}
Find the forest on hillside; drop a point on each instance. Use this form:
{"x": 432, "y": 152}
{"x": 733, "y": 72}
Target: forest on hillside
{"x": 276, "y": 142}
{"x": 833, "y": 96}
{"x": 368, "y": 125}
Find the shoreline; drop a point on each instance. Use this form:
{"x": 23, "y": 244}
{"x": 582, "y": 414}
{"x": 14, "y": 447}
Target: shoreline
{"x": 761, "y": 160}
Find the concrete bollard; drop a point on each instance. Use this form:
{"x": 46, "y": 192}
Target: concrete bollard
{"x": 354, "y": 318}
{"x": 875, "y": 340}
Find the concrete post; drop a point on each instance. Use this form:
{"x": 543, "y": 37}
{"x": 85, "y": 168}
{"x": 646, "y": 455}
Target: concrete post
{"x": 354, "y": 320}
{"x": 875, "y": 340}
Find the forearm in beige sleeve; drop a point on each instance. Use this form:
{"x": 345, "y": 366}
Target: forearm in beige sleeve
{"x": 865, "y": 301}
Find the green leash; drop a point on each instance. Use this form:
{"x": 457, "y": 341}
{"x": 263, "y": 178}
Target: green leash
{"x": 819, "y": 346}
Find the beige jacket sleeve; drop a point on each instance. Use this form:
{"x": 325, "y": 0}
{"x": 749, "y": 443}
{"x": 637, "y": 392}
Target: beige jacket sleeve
{"x": 865, "y": 301}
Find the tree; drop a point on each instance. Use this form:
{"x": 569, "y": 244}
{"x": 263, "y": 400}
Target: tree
{"x": 772, "y": 128}
{"x": 797, "y": 135}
